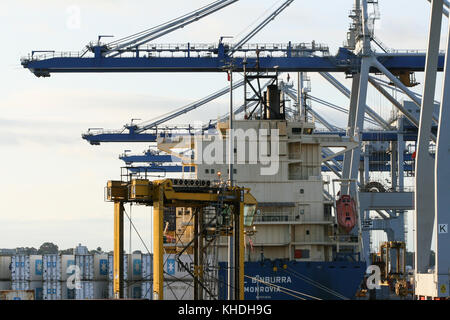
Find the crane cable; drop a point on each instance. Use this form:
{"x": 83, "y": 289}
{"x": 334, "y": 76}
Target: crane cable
{"x": 284, "y": 289}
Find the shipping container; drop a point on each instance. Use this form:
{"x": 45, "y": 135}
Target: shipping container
{"x": 36, "y": 286}
{"x": 111, "y": 291}
{"x": 67, "y": 260}
{"x": 111, "y": 266}
{"x": 135, "y": 267}
{"x": 132, "y": 290}
{"x": 173, "y": 290}
{"x": 147, "y": 290}
{"x": 36, "y": 268}
{"x": 66, "y": 292}
{"x": 86, "y": 291}
{"x": 52, "y": 267}
{"x": 17, "y": 295}
{"x": 5, "y": 268}
{"x": 92, "y": 290}
{"x": 173, "y": 269}
{"x": 178, "y": 290}
{"x": 86, "y": 265}
{"x": 147, "y": 267}
{"x": 52, "y": 290}
{"x": 177, "y": 269}
{"x": 20, "y": 268}
{"x": 101, "y": 267}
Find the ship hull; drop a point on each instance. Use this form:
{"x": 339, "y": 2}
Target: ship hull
{"x": 293, "y": 280}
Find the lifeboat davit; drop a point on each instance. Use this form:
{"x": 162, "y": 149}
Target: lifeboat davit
{"x": 346, "y": 213}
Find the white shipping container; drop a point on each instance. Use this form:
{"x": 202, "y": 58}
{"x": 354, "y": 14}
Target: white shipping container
{"x": 52, "y": 290}
{"x": 111, "y": 291}
{"x": 101, "y": 267}
{"x": 86, "y": 291}
{"x": 67, "y": 260}
{"x": 147, "y": 290}
{"x": 5, "y": 268}
{"x": 36, "y": 269}
{"x": 135, "y": 267}
{"x": 86, "y": 265}
{"x": 36, "y": 286}
{"x": 20, "y": 285}
{"x": 52, "y": 267}
{"x": 132, "y": 290}
{"x": 111, "y": 267}
{"x": 147, "y": 267}
{"x": 174, "y": 270}
{"x": 100, "y": 289}
{"x": 178, "y": 290}
{"x": 172, "y": 290}
{"x": 67, "y": 293}
{"x": 20, "y": 268}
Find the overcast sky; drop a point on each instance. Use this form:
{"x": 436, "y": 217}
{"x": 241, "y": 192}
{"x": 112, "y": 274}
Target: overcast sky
{"x": 53, "y": 181}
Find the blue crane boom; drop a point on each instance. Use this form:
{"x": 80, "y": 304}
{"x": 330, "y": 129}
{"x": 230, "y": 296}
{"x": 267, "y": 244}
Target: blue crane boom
{"x": 211, "y": 58}
{"x": 95, "y": 139}
{"x": 178, "y": 168}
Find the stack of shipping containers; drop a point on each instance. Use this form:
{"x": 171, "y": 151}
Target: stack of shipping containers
{"x": 26, "y": 274}
{"x": 53, "y": 276}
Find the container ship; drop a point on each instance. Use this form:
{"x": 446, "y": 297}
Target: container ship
{"x": 303, "y": 244}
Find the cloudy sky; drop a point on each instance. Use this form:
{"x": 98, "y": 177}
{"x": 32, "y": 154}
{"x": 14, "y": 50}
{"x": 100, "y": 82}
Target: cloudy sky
{"x": 53, "y": 181}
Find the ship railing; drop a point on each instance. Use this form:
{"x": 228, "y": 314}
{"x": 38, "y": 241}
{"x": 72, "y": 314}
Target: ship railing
{"x": 52, "y": 54}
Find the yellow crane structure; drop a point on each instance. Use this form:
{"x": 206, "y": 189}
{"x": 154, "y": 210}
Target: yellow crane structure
{"x": 195, "y": 194}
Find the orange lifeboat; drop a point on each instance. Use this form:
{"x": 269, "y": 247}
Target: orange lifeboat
{"x": 346, "y": 213}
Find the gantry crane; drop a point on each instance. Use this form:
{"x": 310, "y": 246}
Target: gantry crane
{"x": 234, "y": 210}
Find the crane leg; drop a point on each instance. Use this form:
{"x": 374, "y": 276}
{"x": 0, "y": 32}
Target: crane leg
{"x": 158, "y": 254}
{"x": 118, "y": 250}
